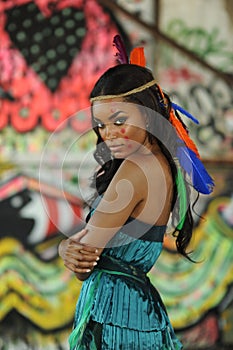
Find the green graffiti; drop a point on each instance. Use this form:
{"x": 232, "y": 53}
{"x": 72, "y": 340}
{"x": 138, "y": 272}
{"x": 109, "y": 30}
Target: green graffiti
{"x": 207, "y": 44}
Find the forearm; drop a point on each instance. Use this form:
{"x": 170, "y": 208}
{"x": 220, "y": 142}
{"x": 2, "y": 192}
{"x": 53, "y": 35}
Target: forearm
{"x": 78, "y": 258}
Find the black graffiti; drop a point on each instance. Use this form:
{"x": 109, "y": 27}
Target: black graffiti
{"x": 209, "y": 105}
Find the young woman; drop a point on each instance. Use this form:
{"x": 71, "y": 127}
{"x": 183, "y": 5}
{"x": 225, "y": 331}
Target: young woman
{"x": 137, "y": 187}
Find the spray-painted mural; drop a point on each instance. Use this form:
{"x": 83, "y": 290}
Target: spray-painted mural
{"x": 200, "y": 300}
{"x": 208, "y": 97}
{"x": 51, "y": 53}
{"x": 45, "y": 46}
{"x": 41, "y": 87}
{"x": 34, "y": 286}
{"x": 200, "y": 297}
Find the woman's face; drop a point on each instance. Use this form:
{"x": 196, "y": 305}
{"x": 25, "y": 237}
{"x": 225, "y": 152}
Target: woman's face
{"x": 122, "y": 126}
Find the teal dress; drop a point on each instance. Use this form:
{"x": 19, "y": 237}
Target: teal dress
{"x": 118, "y": 308}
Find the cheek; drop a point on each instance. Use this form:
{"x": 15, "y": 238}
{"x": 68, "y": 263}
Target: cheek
{"x": 133, "y": 133}
{"x": 102, "y": 134}
{"x": 129, "y": 144}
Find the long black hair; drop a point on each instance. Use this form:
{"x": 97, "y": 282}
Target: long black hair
{"x": 120, "y": 79}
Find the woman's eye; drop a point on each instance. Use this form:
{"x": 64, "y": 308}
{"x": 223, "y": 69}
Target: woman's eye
{"x": 100, "y": 125}
{"x": 120, "y": 121}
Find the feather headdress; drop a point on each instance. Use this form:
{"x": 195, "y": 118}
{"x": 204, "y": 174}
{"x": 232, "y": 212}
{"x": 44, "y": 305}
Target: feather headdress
{"x": 136, "y": 56}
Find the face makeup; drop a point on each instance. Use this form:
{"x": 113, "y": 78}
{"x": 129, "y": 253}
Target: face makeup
{"x": 121, "y": 126}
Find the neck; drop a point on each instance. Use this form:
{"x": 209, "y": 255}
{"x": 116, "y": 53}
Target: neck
{"x": 148, "y": 149}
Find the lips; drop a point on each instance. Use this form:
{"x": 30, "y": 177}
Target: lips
{"x": 116, "y": 148}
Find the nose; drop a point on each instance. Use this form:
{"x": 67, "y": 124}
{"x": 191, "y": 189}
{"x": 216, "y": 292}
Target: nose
{"x": 110, "y": 132}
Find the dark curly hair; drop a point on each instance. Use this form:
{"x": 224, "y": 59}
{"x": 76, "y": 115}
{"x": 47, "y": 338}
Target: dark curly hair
{"x": 120, "y": 79}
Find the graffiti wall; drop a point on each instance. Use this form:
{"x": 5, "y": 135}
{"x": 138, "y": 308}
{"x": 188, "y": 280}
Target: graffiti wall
{"x": 200, "y": 298}
{"x": 51, "y": 53}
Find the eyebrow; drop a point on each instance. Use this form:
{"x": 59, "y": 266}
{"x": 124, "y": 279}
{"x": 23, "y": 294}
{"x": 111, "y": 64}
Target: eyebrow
{"x": 114, "y": 115}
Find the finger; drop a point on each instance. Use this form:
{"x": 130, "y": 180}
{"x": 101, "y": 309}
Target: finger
{"x": 83, "y": 247}
{"x": 70, "y": 266}
{"x": 78, "y": 268}
{"x": 88, "y": 257}
{"x": 82, "y": 270}
{"x": 75, "y": 242}
{"x": 74, "y": 246}
{"x": 85, "y": 264}
{"x": 89, "y": 249}
{"x": 77, "y": 236}
{"x": 71, "y": 261}
{"x": 75, "y": 239}
{"x": 76, "y": 254}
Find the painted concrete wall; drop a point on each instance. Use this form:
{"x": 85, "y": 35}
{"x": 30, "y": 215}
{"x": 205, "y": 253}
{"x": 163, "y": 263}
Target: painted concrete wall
{"x": 40, "y": 170}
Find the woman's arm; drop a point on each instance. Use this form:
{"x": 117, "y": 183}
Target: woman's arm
{"x": 125, "y": 192}
{"x": 80, "y": 252}
{"x": 133, "y": 186}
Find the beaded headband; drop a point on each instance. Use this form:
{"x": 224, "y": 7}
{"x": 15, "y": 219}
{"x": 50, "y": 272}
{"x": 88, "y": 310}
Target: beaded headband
{"x": 123, "y": 94}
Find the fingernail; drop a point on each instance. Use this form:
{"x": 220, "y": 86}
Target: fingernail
{"x": 94, "y": 263}
{"x": 97, "y": 258}
{"x": 96, "y": 251}
{"x": 88, "y": 270}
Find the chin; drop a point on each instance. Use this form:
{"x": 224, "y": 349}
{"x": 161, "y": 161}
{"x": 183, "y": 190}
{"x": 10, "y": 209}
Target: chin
{"x": 120, "y": 155}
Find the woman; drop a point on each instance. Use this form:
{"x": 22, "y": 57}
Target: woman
{"x": 136, "y": 191}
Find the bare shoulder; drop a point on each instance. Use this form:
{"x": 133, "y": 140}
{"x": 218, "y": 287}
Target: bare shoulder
{"x": 131, "y": 165}
{"x": 141, "y": 165}
{"x": 132, "y": 169}
{"x": 128, "y": 184}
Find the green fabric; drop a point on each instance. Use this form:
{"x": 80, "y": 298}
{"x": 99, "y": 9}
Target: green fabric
{"x": 182, "y": 195}
{"x": 77, "y": 333}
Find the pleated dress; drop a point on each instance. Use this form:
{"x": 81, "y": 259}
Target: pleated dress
{"x": 118, "y": 308}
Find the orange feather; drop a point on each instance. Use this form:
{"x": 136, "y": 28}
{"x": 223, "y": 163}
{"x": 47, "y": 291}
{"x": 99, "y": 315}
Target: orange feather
{"x": 183, "y": 134}
{"x": 137, "y": 57}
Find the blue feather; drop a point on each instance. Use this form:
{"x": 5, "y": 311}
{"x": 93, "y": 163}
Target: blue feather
{"x": 201, "y": 180}
{"x": 184, "y": 112}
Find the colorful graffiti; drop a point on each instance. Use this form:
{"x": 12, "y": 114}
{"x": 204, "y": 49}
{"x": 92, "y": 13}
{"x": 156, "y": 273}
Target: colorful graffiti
{"x": 34, "y": 283}
{"x": 36, "y": 287}
{"x": 46, "y": 50}
{"x": 200, "y": 293}
{"x": 208, "y": 98}
{"x": 40, "y": 88}
{"x": 212, "y": 104}
{"x": 51, "y": 54}
{"x": 208, "y": 44}
{"x": 200, "y": 301}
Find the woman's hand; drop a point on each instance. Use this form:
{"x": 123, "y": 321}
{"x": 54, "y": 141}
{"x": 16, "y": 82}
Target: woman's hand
{"x": 78, "y": 257}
